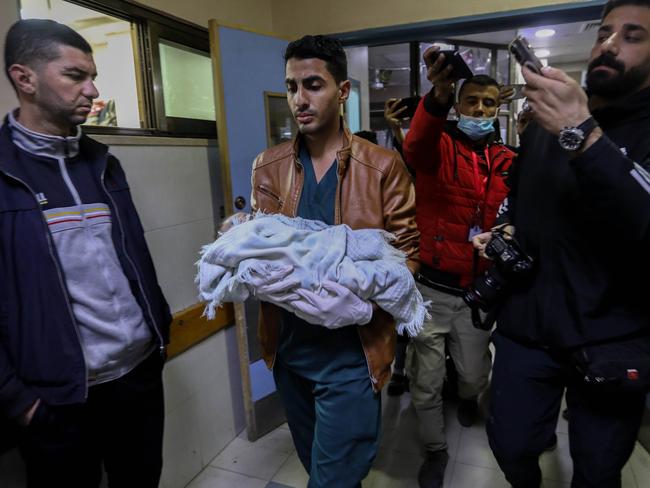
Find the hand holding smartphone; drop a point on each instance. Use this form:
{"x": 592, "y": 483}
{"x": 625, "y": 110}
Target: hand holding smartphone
{"x": 460, "y": 70}
{"x": 409, "y": 105}
{"x": 524, "y": 54}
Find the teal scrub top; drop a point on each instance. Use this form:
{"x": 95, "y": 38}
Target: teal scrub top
{"x": 313, "y": 351}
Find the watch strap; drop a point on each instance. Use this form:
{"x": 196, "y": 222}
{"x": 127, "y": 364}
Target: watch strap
{"x": 588, "y": 126}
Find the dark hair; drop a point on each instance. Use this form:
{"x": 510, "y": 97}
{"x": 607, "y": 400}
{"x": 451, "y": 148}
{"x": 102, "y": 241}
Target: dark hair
{"x": 32, "y": 42}
{"x": 368, "y": 135}
{"x": 326, "y": 48}
{"x": 612, "y": 4}
{"x": 480, "y": 80}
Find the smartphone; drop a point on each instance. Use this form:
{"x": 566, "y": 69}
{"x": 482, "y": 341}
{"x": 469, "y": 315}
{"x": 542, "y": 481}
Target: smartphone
{"x": 460, "y": 69}
{"x": 411, "y": 103}
{"x": 523, "y": 53}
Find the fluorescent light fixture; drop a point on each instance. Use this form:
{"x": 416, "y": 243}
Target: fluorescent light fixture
{"x": 542, "y": 33}
{"x": 542, "y": 53}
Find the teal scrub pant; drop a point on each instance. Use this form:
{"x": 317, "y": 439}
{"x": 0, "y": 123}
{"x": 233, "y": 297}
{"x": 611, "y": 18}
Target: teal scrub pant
{"x": 335, "y": 424}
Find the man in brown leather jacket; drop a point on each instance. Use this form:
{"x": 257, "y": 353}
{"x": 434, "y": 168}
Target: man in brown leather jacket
{"x": 330, "y": 376}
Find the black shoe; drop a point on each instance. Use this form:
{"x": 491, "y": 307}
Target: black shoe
{"x": 432, "y": 471}
{"x": 399, "y": 383}
{"x": 552, "y": 445}
{"x": 467, "y": 412}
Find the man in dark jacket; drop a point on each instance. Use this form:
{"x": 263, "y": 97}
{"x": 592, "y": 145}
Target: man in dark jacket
{"x": 460, "y": 183}
{"x": 83, "y": 322}
{"x": 580, "y": 204}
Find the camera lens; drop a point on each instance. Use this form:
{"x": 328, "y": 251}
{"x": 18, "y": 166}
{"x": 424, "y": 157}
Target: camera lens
{"x": 485, "y": 290}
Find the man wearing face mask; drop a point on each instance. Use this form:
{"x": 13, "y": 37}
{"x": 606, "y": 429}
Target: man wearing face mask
{"x": 460, "y": 182}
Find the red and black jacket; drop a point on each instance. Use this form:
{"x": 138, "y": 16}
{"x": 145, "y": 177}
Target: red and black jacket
{"x": 458, "y": 185}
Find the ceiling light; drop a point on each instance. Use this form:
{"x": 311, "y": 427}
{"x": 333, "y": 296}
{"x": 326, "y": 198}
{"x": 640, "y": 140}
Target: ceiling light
{"x": 542, "y": 53}
{"x": 542, "y": 33}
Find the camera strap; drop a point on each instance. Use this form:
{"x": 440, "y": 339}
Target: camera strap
{"x": 480, "y": 186}
{"x": 475, "y": 261}
{"x": 488, "y": 321}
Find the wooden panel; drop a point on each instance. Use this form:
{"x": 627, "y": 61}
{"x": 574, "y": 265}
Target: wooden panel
{"x": 189, "y": 327}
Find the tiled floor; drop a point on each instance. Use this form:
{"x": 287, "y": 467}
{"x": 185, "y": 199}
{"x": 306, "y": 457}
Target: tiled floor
{"x": 271, "y": 462}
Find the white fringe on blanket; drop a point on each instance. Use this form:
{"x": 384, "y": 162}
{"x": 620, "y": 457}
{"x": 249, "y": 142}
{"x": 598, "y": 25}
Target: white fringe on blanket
{"x": 362, "y": 260}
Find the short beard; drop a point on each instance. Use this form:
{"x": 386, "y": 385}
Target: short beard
{"x": 615, "y": 86}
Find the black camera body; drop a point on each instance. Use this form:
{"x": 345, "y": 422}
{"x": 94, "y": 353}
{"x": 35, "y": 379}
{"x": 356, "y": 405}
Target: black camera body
{"x": 487, "y": 292}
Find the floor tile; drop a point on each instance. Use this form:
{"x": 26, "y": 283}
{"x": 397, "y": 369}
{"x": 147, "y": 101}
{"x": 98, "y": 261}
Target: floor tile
{"x": 562, "y": 424}
{"x": 251, "y": 459}
{"x": 292, "y": 473}
{"x": 629, "y": 480}
{"x": 640, "y": 465}
{"x": 212, "y": 477}
{"x": 474, "y": 449}
{"x": 393, "y": 469}
{"x": 278, "y": 439}
{"x": 559, "y": 484}
{"x": 471, "y": 464}
{"x": 466, "y": 476}
{"x": 556, "y": 465}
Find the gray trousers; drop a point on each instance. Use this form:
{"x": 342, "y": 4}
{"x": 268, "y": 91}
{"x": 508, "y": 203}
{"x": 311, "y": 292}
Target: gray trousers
{"x": 468, "y": 346}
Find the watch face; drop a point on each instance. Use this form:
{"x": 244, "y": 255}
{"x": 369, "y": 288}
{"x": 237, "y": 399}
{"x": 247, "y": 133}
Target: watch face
{"x": 571, "y": 138}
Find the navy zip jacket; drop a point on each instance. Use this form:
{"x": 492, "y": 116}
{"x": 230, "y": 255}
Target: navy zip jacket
{"x": 586, "y": 222}
{"x": 40, "y": 351}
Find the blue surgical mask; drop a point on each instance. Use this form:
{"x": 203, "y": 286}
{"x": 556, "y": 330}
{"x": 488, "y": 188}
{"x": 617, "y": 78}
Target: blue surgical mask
{"x": 476, "y": 128}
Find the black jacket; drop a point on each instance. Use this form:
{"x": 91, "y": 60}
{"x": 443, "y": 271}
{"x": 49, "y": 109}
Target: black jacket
{"x": 40, "y": 351}
{"x": 586, "y": 222}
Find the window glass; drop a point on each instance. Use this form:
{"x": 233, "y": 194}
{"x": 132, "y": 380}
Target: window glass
{"x": 187, "y": 82}
{"x": 353, "y": 107}
{"x": 389, "y": 76}
{"x": 504, "y": 125}
{"x": 112, "y": 42}
{"x": 478, "y": 59}
{"x": 503, "y": 67}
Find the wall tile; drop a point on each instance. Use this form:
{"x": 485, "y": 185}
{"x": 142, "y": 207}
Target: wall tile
{"x": 170, "y": 184}
{"x": 181, "y": 450}
{"x": 175, "y": 251}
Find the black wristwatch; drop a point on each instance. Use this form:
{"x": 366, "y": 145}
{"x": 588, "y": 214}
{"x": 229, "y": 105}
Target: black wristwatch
{"x": 572, "y": 138}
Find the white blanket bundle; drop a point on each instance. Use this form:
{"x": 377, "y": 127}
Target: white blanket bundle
{"x": 361, "y": 260}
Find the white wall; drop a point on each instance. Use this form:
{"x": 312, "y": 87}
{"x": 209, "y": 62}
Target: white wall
{"x": 172, "y": 190}
{"x": 8, "y": 15}
{"x": 203, "y": 409}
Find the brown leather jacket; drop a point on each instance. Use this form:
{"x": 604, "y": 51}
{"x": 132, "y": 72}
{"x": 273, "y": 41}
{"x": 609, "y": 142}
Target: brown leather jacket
{"x": 374, "y": 191}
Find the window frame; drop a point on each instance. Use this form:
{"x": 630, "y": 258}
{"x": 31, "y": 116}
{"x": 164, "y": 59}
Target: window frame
{"x": 150, "y": 27}
{"x": 174, "y": 125}
{"x": 442, "y": 29}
